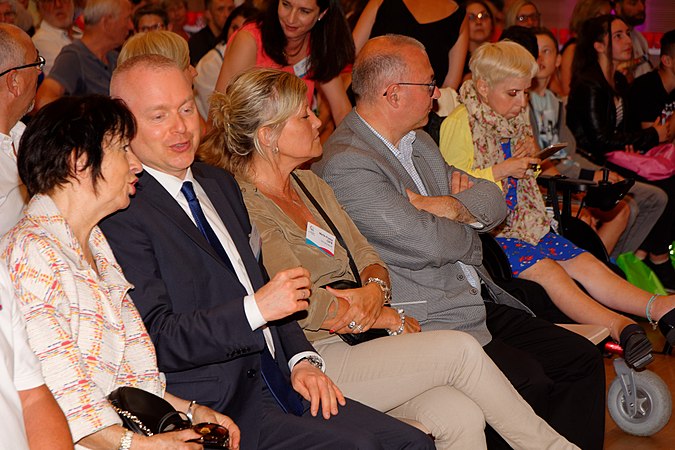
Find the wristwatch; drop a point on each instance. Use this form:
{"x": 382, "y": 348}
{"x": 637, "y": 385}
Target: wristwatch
{"x": 386, "y": 290}
{"x": 314, "y": 360}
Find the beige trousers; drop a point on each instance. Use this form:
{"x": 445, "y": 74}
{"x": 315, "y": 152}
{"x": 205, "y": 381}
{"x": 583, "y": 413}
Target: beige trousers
{"x": 442, "y": 379}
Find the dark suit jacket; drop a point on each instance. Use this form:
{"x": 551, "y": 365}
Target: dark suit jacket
{"x": 192, "y": 304}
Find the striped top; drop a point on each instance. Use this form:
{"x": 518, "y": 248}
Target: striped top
{"x": 82, "y": 325}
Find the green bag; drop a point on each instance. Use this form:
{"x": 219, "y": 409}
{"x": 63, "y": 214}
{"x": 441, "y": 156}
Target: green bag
{"x": 639, "y": 274}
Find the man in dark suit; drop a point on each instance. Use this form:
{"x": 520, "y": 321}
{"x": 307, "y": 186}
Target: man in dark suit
{"x": 221, "y": 329}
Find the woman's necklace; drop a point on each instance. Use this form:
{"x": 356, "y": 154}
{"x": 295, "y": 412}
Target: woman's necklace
{"x": 289, "y": 55}
{"x": 279, "y": 194}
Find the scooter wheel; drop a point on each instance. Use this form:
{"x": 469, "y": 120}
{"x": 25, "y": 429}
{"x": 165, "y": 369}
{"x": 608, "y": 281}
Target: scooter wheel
{"x": 654, "y": 404}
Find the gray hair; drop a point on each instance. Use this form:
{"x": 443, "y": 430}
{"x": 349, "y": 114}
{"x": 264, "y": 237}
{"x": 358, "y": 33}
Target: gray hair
{"x": 375, "y": 69}
{"x": 98, "y": 9}
{"x": 12, "y": 53}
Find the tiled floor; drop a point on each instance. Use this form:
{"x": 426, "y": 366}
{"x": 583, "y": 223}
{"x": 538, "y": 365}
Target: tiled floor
{"x": 615, "y": 438}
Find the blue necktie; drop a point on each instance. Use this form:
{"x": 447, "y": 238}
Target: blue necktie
{"x": 203, "y": 224}
{"x": 281, "y": 390}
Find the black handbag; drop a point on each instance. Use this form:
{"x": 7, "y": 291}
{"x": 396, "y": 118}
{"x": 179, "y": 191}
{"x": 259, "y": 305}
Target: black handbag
{"x": 145, "y": 413}
{"x": 349, "y": 338}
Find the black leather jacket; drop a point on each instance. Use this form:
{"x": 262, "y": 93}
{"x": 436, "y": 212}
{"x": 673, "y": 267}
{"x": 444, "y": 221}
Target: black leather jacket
{"x": 591, "y": 116}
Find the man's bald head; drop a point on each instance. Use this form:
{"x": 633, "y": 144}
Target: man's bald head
{"x": 381, "y": 62}
{"x": 136, "y": 64}
{"x": 15, "y": 46}
{"x": 17, "y": 87}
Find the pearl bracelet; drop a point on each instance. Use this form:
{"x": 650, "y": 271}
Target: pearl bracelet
{"x": 125, "y": 442}
{"x": 401, "y": 314}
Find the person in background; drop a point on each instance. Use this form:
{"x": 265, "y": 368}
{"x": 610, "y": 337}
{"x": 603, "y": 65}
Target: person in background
{"x": 597, "y": 116}
{"x": 491, "y": 137}
{"x": 56, "y": 29}
{"x": 583, "y": 10}
{"x": 208, "y": 68}
{"x": 634, "y": 13}
{"x": 162, "y": 42}
{"x": 8, "y": 11}
{"x": 31, "y": 418}
{"x": 547, "y": 117}
{"x": 309, "y": 38}
{"x": 440, "y": 25}
{"x": 20, "y": 64}
{"x": 481, "y": 28}
{"x": 523, "y": 13}
{"x": 177, "y": 12}
{"x": 150, "y": 18}
{"x": 652, "y": 95}
{"x": 216, "y": 14}
{"x": 77, "y": 165}
{"x": 86, "y": 65}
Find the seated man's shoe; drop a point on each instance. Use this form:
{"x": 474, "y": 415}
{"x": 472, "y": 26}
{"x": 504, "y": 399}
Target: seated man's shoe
{"x": 665, "y": 272}
{"x": 667, "y": 326}
{"x": 637, "y": 350}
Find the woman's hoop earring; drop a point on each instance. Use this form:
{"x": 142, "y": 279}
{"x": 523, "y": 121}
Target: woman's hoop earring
{"x": 275, "y": 150}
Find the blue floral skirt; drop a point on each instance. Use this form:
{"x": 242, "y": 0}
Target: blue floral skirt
{"x": 552, "y": 246}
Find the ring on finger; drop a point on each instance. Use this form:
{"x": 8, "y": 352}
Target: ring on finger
{"x": 358, "y": 328}
{"x": 351, "y": 325}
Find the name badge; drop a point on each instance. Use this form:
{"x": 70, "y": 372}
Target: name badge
{"x": 318, "y": 237}
{"x": 255, "y": 241}
{"x": 300, "y": 68}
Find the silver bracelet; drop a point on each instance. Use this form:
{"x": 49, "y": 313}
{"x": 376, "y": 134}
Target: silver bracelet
{"x": 401, "y": 314}
{"x": 125, "y": 442}
{"x": 386, "y": 290}
{"x": 189, "y": 410}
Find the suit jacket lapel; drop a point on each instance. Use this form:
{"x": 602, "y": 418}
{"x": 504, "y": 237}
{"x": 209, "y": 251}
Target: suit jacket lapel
{"x": 361, "y": 129}
{"x": 425, "y": 172}
{"x": 157, "y": 196}
{"x": 240, "y": 237}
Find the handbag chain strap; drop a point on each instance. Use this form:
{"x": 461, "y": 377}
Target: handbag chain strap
{"x": 331, "y": 225}
{"x": 134, "y": 419}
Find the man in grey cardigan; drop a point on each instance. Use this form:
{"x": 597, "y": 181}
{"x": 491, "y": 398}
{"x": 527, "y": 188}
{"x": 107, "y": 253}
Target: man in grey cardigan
{"x": 424, "y": 216}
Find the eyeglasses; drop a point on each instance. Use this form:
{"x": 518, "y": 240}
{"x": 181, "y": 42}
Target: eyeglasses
{"x": 40, "y": 64}
{"x": 431, "y": 86}
{"x": 483, "y": 15}
{"x": 534, "y": 17}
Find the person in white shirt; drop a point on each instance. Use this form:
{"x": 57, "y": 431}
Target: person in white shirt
{"x": 31, "y": 418}
{"x": 55, "y": 30}
{"x": 20, "y": 66}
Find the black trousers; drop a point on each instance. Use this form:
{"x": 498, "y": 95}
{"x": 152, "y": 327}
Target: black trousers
{"x": 356, "y": 426}
{"x": 559, "y": 373}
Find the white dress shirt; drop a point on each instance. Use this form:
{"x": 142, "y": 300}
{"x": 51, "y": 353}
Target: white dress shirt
{"x": 13, "y": 194}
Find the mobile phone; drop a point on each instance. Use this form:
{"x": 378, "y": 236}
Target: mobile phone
{"x": 550, "y": 150}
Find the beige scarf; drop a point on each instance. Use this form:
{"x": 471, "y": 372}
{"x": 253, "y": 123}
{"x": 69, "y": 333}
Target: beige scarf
{"x": 528, "y": 221}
